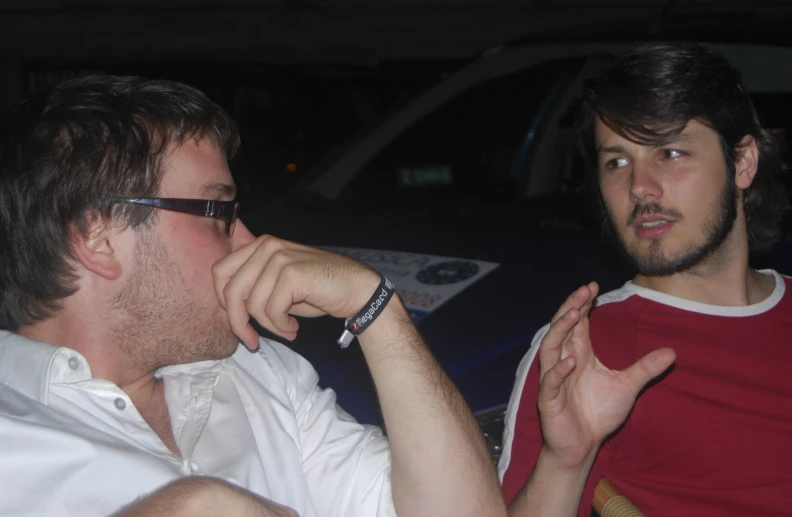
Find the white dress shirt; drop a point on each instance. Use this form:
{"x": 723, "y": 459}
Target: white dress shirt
{"x": 74, "y": 445}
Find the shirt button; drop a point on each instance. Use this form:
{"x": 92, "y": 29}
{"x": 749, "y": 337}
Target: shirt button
{"x": 120, "y": 404}
{"x": 74, "y": 363}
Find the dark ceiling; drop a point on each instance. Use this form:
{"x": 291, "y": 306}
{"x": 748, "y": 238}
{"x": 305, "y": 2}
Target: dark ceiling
{"x": 357, "y": 32}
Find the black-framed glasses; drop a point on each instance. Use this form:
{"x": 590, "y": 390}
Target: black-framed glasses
{"x": 226, "y": 211}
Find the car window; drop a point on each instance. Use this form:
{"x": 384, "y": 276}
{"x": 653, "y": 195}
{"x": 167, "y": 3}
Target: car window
{"x": 464, "y": 151}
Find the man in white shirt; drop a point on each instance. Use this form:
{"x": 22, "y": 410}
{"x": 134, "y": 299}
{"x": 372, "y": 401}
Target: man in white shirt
{"x": 127, "y": 283}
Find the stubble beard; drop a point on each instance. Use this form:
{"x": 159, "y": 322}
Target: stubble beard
{"x": 159, "y": 325}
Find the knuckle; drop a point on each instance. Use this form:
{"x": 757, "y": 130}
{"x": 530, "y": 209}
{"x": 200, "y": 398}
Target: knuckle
{"x": 217, "y": 268}
{"x": 263, "y": 238}
{"x": 290, "y": 271}
{"x": 280, "y": 257}
{"x": 269, "y": 244}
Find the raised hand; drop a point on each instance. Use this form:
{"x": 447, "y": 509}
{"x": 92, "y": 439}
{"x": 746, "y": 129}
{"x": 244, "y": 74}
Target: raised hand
{"x": 273, "y": 280}
{"x": 580, "y": 400}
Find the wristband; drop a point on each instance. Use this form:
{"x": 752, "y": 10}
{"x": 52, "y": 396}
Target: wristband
{"x": 373, "y": 308}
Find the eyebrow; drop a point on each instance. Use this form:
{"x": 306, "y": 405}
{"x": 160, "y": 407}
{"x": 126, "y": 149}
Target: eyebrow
{"x": 684, "y": 138}
{"x": 216, "y": 190}
{"x": 616, "y": 149}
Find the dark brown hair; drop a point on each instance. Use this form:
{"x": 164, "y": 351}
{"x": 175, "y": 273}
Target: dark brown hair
{"x": 650, "y": 94}
{"x": 64, "y": 153}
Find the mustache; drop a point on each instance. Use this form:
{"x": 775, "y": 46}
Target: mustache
{"x": 652, "y": 208}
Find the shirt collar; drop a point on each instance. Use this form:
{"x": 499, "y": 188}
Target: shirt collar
{"x": 29, "y": 366}
{"x": 716, "y": 310}
{"x": 26, "y": 364}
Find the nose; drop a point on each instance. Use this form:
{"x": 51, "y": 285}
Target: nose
{"x": 644, "y": 184}
{"x": 242, "y": 235}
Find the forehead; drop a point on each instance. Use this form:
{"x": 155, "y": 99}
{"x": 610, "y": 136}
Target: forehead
{"x": 694, "y": 132}
{"x": 195, "y": 169}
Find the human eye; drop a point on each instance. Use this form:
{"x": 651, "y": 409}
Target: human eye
{"x": 616, "y": 163}
{"x": 673, "y": 154}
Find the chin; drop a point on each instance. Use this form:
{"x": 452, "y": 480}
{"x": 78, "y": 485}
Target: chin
{"x": 214, "y": 344}
{"x": 228, "y": 345}
{"x": 656, "y": 263}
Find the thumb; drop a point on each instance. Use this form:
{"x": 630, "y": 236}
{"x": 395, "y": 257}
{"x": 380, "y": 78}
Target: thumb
{"x": 648, "y": 367}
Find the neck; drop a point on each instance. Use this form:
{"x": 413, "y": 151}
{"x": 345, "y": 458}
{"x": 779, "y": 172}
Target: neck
{"x": 724, "y": 278}
{"x": 93, "y": 338}
{"x": 90, "y": 336}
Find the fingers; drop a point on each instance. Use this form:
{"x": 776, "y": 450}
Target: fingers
{"x": 225, "y": 268}
{"x": 273, "y": 280}
{"x": 287, "y": 292}
{"x": 647, "y": 368}
{"x": 265, "y": 275}
{"x": 551, "y": 346}
{"x": 564, "y": 326}
{"x": 243, "y": 281}
{"x": 580, "y": 340}
{"x": 593, "y": 288}
{"x": 553, "y": 379}
{"x": 577, "y": 299}
{"x": 250, "y": 274}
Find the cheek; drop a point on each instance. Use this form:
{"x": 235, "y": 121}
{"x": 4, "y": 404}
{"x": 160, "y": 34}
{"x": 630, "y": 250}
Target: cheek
{"x": 693, "y": 196}
{"x": 198, "y": 250}
{"x": 617, "y": 204}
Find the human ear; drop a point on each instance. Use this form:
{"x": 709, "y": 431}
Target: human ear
{"x": 747, "y": 162}
{"x": 93, "y": 247}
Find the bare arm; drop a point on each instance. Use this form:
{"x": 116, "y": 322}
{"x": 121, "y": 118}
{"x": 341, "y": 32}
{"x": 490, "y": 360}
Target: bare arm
{"x": 199, "y": 496}
{"x": 440, "y": 464}
{"x": 552, "y": 490}
{"x": 580, "y": 403}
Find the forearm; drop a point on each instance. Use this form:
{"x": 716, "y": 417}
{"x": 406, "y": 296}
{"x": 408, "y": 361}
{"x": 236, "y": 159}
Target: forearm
{"x": 184, "y": 497}
{"x": 202, "y": 496}
{"x": 551, "y": 490}
{"x": 440, "y": 463}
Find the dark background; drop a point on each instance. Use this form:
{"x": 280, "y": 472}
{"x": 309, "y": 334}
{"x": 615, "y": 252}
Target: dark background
{"x": 301, "y": 77}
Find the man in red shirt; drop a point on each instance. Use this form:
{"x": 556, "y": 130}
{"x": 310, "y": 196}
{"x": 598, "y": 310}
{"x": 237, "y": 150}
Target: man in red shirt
{"x": 686, "y": 178}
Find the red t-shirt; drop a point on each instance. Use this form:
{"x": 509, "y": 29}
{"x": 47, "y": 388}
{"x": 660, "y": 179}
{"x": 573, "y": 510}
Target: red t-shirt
{"x": 714, "y": 436}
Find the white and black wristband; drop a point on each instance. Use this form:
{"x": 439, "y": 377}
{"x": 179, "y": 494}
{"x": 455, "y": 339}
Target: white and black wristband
{"x": 373, "y": 308}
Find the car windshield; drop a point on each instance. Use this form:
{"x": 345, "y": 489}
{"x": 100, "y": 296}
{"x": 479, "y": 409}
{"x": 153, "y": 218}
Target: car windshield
{"x": 473, "y": 148}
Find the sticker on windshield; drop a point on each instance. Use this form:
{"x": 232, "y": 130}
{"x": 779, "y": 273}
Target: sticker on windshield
{"x": 424, "y": 282}
{"x": 447, "y": 272}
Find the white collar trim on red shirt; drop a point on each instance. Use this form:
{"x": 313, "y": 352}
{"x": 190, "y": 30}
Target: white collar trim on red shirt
{"x": 629, "y": 289}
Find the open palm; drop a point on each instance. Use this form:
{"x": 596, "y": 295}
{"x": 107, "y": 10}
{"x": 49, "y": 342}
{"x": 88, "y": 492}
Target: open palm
{"x": 581, "y": 401}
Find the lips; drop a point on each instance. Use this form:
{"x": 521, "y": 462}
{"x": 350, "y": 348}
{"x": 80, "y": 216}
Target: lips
{"x": 652, "y": 226}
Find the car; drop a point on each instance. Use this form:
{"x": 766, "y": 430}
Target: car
{"x": 471, "y": 199}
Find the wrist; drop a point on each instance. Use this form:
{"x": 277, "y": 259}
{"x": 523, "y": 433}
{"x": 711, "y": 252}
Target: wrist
{"x": 374, "y": 307}
{"x": 388, "y": 326}
{"x": 365, "y": 288}
{"x": 563, "y": 466}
